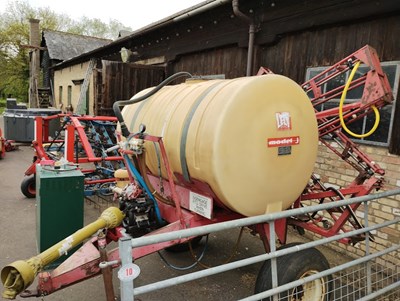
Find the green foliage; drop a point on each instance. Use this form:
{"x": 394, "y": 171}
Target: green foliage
{"x": 14, "y": 33}
{"x": 2, "y": 105}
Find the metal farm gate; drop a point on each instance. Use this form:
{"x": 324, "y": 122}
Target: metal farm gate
{"x": 373, "y": 276}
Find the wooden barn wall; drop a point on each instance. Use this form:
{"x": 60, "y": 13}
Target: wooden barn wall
{"x": 121, "y": 81}
{"x": 230, "y": 61}
{"x": 97, "y": 90}
{"x": 295, "y": 52}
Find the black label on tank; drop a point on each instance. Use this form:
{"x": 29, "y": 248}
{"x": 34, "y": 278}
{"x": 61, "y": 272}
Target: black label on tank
{"x": 284, "y": 150}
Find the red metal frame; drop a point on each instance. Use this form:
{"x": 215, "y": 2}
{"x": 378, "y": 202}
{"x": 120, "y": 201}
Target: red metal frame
{"x": 376, "y": 92}
{"x": 2, "y": 146}
{"x": 84, "y": 263}
{"x": 74, "y": 132}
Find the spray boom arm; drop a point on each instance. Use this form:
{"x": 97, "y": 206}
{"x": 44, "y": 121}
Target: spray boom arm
{"x": 376, "y": 94}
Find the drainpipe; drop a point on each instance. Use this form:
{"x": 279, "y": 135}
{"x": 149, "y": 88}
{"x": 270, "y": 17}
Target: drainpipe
{"x": 252, "y": 31}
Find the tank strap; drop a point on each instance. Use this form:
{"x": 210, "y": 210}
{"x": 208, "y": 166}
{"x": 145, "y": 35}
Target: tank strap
{"x": 135, "y": 116}
{"x": 185, "y": 130}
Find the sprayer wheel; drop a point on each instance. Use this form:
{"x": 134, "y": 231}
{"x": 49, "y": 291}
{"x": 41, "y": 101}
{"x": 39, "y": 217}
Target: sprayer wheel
{"x": 28, "y": 186}
{"x": 297, "y": 266}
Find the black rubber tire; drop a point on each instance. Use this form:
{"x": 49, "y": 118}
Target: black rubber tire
{"x": 185, "y": 246}
{"x": 292, "y": 267}
{"x": 28, "y": 186}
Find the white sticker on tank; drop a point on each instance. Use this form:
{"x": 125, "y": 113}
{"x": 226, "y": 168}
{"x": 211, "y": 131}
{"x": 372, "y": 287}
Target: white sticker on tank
{"x": 200, "y": 204}
{"x": 283, "y": 121}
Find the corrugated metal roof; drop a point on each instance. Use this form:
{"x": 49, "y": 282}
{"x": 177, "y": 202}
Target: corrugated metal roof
{"x": 62, "y": 45}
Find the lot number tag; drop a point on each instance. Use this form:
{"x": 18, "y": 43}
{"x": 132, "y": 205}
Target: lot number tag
{"x": 128, "y": 272}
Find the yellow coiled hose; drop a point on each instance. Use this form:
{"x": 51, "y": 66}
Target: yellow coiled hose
{"x": 342, "y": 99}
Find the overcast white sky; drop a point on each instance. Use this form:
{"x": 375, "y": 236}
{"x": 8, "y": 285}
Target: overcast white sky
{"x": 132, "y": 13}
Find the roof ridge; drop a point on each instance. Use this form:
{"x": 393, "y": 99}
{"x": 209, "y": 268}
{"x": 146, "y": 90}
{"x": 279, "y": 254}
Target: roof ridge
{"x": 75, "y": 34}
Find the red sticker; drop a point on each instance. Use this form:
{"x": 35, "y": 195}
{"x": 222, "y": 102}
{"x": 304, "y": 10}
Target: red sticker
{"x": 284, "y": 141}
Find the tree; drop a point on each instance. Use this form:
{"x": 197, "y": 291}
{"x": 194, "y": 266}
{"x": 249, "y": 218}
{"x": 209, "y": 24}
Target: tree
{"x": 14, "y": 33}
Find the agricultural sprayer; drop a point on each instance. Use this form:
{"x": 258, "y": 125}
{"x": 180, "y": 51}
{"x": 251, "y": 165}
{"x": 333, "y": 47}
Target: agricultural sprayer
{"x": 205, "y": 152}
{"x": 79, "y": 140}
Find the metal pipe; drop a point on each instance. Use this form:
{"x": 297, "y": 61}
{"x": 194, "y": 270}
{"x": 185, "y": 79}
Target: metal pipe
{"x": 156, "y": 238}
{"x": 125, "y": 255}
{"x": 105, "y": 264}
{"x": 250, "y": 52}
{"x": 252, "y": 31}
{"x": 380, "y": 292}
{"x": 274, "y": 261}
{"x": 367, "y": 251}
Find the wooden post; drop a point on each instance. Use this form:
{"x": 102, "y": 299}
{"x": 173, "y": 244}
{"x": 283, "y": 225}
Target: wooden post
{"x": 34, "y": 60}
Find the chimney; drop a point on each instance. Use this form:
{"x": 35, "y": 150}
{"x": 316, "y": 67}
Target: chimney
{"x": 34, "y": 62}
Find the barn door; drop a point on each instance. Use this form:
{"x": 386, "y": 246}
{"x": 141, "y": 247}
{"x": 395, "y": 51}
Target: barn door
{"x": 120, "y": 81}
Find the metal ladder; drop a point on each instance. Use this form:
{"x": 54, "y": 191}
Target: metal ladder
{"x": 81, "y": 107}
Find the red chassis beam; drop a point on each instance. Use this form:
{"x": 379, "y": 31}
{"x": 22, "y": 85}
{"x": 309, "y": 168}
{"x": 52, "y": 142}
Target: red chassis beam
{"x": 84, "y": 263}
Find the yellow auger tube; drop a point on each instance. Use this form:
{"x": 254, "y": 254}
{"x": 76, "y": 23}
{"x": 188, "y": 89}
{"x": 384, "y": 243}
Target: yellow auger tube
{"x": 17, "y": 276}
{"x": 342, "y": 99}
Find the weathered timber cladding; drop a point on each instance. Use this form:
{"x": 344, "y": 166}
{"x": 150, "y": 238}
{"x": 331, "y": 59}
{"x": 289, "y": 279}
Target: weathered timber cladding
{"x": 97, "y": 90}
{"x": 230, "y": 61}
{"x": 121, "y": 81}
{"x": 295, "y": 52}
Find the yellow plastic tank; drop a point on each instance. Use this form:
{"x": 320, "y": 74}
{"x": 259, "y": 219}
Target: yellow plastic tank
{"x": 253, "y": 140}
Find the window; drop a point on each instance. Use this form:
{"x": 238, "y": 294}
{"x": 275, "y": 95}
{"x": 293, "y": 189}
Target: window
{"x": 69, "y": 95}
{"x": 60, "y": 94}
{"x": 383, "y": 134}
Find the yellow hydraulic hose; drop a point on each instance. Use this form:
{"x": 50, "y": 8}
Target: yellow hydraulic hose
{"x": 377, "y": 115}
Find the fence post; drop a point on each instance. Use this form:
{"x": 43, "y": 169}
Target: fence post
{"x": 274, "y": 267}
{"x": 125, "y": 248}
{"x": 369, "y": 273}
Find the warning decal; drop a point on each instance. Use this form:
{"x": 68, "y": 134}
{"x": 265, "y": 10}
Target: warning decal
{"x": 284, "y": 141}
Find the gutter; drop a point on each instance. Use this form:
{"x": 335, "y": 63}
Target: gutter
{"x": 194, "y": 10}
